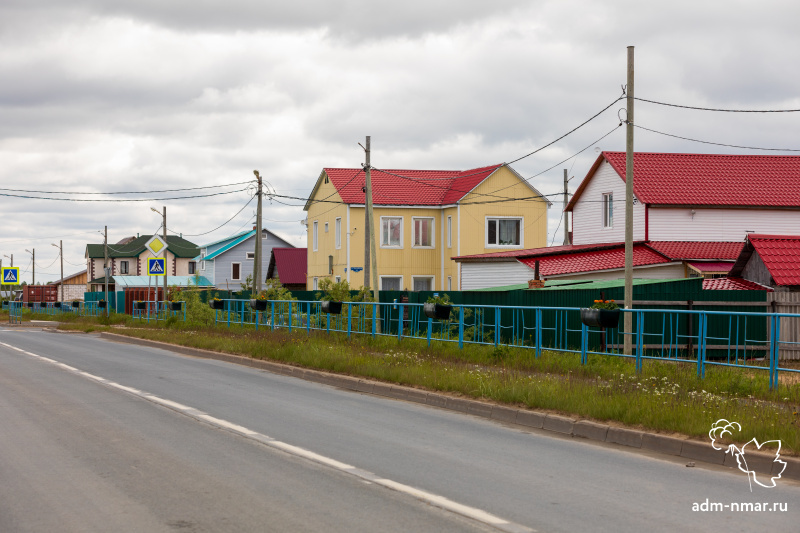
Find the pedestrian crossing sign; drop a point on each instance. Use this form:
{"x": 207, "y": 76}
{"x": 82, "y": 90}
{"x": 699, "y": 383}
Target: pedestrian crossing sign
{"x": 155, "y": 266}
{"x": 10, "y": 275}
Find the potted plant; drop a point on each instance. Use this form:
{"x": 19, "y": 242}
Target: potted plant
{"x": 140, "y": 305}
{"x": 30, "y": 304}
{"x": 101, "y": 304}
{"x": 334, "y": 308}
{"x": 216, "y": 303}
{"x": 175, "y": 306}
{"x": 76, "y": 303}
{"x": 57, "y": 305}
{"x": 259, "y": 303}
{"x": 603, "y": 313}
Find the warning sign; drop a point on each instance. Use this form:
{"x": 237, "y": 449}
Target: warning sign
{"x": 155, "y": 266}
{"x": 10, "y": 275}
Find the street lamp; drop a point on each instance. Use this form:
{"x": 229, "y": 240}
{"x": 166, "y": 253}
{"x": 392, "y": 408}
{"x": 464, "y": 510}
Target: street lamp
{"x": 33, "y": 263}
{"x": 60, "y": 247}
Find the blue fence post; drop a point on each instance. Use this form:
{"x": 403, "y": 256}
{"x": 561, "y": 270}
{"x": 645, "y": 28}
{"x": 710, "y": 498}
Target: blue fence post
{"x": 700, "y": 361}
{"x": 704, "y": 342}
{"x": 461, "y": 329}
{"x": 496, "y": 326}
{"x": 400, "y": 316}
{"x": 584, "y": 343}
{"x": 228, "y": 309}
{"x": 639, "y": 340}
{"x": 328, "y": 321}
{"x": 374, "y": 318}
{"x": 308, "y": 318}
{"x": 774, "y": 351}
{"x": 538, "y": 332}
{"x": 430, "y": 327}
{"x": 272, "y": 315}
{"x": 349, "y": 317}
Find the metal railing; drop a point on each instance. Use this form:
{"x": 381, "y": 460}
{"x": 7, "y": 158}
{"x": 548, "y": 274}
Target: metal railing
{"x": 746, "y": 340}
{"x": 148, "y": 310}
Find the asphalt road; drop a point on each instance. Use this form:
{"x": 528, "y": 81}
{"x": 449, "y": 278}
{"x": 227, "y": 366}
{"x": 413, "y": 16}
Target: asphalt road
{"x": 78, "y": 455}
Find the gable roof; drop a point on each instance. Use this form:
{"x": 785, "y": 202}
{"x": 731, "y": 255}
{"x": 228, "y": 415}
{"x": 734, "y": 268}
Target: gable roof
{"x": 732, "y": 284}
{"x": 410, "y": 187}
{"x": 177, "y": 246}
{"x": 291, "y": 264}
{"x": 232, "y": 237}
{"x": 780, "y": 254}
{"x": 707, "y": 179}
{"x": 238, "y": 240}
{"x": 594, "y": 260}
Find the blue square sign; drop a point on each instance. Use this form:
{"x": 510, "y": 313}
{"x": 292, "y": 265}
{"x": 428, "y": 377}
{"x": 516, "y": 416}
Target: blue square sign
{"x": 155, "y": 266}
{"x": 10, "y": 275}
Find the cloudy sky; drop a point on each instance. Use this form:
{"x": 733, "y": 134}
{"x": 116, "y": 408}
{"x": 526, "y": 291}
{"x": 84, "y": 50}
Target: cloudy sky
{"x": 146, "y": 95}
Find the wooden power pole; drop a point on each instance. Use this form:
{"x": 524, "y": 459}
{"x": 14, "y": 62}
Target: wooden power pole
{"x": 566, "y": 213}
{"x": 628, "y": 345}
{"x": 257, "y": 274}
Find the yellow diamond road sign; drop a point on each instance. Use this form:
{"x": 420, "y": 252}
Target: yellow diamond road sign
{"x": 156, "y": 245}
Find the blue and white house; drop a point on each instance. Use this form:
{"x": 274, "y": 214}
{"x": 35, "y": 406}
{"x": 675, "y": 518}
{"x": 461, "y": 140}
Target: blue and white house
{"x": 228, "y": 262}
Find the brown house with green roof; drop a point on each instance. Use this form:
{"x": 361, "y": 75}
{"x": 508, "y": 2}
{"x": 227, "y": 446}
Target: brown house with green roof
{"x": 129, "y": 256}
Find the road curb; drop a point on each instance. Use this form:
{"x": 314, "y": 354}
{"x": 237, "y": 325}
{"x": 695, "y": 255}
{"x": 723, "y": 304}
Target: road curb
{"x": 674, "y": 446}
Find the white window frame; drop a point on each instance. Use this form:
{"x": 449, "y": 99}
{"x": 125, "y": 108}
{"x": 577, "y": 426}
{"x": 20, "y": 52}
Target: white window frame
{"x": 240, "y": 272}
{"x": 250, "y": 255}
{"x": 414, "y": 232}
{"x": 338, "y": 279}
{"x": 380, "y": 281}
{"x": 450, "y": 231}
{"x": 337, "y": 227}
{"x": 402, "y": 228}
{"x": 498, "y": 219}
{"x": 192, "y": 265}
{"x": 449, "y": 283}
{"x": 203, "y": 261}
{"x": 315, "y": 235}
{"x": 315, "y": 284}
{"x": 431, "y": 278}
{"x": 607, "y": 204}
{"x": 326, "y": 227}
{"x": 127, "y": 267}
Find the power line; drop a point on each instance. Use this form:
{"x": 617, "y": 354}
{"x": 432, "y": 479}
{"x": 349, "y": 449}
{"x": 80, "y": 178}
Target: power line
{"x": 124, "y": 200}
{"x": 716, "y": 144}
{"x": 127, "y": 192}
{"x": 221, "y": 225}
{"x": 717, "y": 109}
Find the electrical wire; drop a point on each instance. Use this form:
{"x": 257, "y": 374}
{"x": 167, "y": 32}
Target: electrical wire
{"x": 717, "y": 144}
{"x": 128, "y": 192}
{"x": 717, "y": 109}
{"x": 124, "y": 200}
{"x": 221, "y": 225}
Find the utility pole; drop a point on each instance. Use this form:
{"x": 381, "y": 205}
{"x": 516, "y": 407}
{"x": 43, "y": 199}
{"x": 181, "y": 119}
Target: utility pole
{"x": 33, "y": 264}
{"x": 566, "y": 213}
{"x": 370, "y": 235}
{"x": 367, "y": 217}
{"x": 257, "y": 259}
{"x": 628, "y": 345}
{"x": 166, "y": 253}
{"x": 105, "y": 263}
{"x": 61, "y": 255}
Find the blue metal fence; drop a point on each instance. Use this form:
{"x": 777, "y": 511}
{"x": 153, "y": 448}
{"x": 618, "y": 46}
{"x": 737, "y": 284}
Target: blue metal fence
{"x": 740, "y": 340}
{"x": 158, "y": 310}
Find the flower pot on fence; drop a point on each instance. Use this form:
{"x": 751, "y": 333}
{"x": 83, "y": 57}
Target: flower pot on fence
{"x": 216, "y": 304}
{"x": 102, "y": 305}
{"x": 259, "y": 305}
{"x": 438, "y": 311}
{"x": 57, "y": 305}
{"x": 140, "y": 306}
{"x": 175, "y": 306}
{"x": 30, "y": 304}
{"x": 604, "y": 318}
{"x": 334, "y": 308}
{"x": 76, "y": 304}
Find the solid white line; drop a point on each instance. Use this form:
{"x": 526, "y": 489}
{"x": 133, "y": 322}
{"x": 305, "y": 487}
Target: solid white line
{"x": 432, "y": 499}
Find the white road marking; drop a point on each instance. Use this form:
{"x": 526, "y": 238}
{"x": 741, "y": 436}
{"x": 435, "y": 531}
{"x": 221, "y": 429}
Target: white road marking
{"x": 435, "y": 500}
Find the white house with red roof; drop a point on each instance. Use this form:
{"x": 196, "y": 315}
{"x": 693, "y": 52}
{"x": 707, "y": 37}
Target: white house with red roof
{"x": 422, "y": 219}
{"x": 692, "y": 213}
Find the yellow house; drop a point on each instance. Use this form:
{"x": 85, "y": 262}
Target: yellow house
{"x": 422, "y": 219}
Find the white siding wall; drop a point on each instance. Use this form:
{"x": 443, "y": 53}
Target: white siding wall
{"x": 486, "y": 275}
{"x": 587, "y": 224}
{"x": 670, "y": 271}
{"x": 671, "y": 224}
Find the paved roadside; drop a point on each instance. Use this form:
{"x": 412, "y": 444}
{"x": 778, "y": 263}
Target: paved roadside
{"x": 684, "y": 447}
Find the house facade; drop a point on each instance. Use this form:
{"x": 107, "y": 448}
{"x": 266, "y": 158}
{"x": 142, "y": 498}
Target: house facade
{"x": 129, "y": 257}
{"x": 289, "y": 266}
{"x": 422, "y": 220}
{"x": 228, "y": 262}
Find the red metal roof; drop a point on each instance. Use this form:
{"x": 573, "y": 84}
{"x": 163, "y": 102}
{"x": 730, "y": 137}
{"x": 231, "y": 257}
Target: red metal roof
{"x": 732, "y": 284}
{"x": 682, "y": 250}
{"x": 589, "y": 261}
{"x": 711, "y": 266}
{"x": 708, "y": 179}
{"x": 291, "y": 264}
{"x": 549, "y": 250}
{"x": 781, "y": 256}
{"x": 408, "y": 187}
